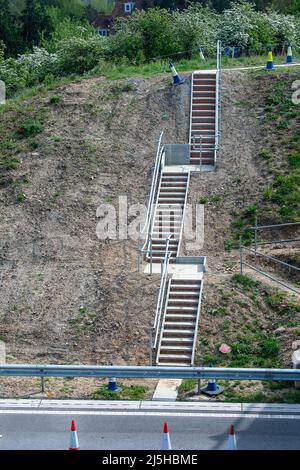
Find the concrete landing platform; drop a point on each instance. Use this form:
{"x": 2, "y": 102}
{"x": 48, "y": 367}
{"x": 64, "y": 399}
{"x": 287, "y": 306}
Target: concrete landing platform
{"x": 166, "y": 390}
{"x": 179, "y": 271}
{"x": 188, "y": 168}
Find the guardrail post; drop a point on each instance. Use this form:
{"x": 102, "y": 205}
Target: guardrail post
{"x": 151, "y": 255}
{"x": 241, "y": 256}
{"x": 151, "y": 346}
{"x": 43, "y": 384}
{"x": 255, "y": 241}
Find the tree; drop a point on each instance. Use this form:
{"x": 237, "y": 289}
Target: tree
{"x": 9, "y": 33}
{"x": 35, "y": 22}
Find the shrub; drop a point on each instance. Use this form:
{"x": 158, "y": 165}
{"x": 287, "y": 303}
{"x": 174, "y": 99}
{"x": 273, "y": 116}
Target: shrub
{"x": 14, "y": 75}
{"x": 79, "y": 55}
{"x": 38, "y": 64}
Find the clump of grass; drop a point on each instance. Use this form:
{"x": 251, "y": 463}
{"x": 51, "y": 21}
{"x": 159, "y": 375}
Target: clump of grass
{"x": 294, "y": 159}
{"x": 203, "y": 200}
{"x": 54, "y": 99}
{"x": 246, "y": 282}
{"x": 118, "y": 89}
{"x": 131, "y": 392}
{"x": 266, "y": 154}
{"x": 187, "y": 386}
{"x": 21, "y": 197}
{"x": 241, "y": 227}
{"x": 30, "y": 127}
{"x": 7, "y": 163}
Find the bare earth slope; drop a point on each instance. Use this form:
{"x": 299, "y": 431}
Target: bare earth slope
{"x": 67, "y": 296}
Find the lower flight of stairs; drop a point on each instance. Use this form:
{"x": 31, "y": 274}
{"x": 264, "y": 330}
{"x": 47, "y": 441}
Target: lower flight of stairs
{"x": 179, "y": 326}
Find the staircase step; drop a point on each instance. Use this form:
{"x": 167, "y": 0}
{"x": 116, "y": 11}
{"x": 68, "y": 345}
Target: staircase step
{"x": 180, "y": 325}
{"x": 181, "y": 341}
{"x": 174, "y": 364}
{"x": 184, "y": 294}
{"x": 177, "y": 332}
{"x": 176, "y": 348}
{"x": 170, "y": 357}
{"x": 174, "y": 318}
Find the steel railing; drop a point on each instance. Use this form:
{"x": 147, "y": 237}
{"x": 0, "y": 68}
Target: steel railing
{"x": 243, "y": 263}
{"x": 197, "y": 324}
{"x": 183, "y": 214}
{"x": 145, "y": 232}
{"x": 257, "y": 254}
{"x": 218, "y": 98}
{"x": 155, "y": 372}
{"x": 198, "y": 145}
{"x": 162, "y": 297}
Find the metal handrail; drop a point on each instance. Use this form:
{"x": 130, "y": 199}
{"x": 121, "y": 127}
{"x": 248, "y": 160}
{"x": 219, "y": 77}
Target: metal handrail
{"x": 218, "y": 96}
{"x": 260, "y": 271}
{"x": 197, "y": 324}
{"x": 263, "y": 255}
{"x": 162, "y": 291}
{"x": 163, "y": 323}
{"x": 54, "y": 370}
{"x": 155, "y": 179}
{"x": 183, "y": 214}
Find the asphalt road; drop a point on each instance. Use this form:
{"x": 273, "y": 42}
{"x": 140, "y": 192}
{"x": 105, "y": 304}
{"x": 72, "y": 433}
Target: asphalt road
{"x": 126, "y": 429}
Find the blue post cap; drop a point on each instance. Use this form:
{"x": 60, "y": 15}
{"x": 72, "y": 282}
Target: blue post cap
{"x": 269, "y": 48}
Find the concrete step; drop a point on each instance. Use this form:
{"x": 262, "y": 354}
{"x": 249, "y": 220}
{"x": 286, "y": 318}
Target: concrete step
{"x": 170, "y": 364}
{"x": 185, "y": 289}
{"x": 170, "y": 318}
{"x": 180, "y": 325}
{"x": 182, "y": 342}
{"x": 175, "y": 174}
{"x": 170, "y": 349}
{"x": 184, "y": 294}
{"x": 176, "y": 333}
{"x": 176, "y": 357}
{"x": 184, "y": 282}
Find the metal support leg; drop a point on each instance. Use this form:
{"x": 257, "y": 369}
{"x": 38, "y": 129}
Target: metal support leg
{"x": 255, "y": 242}
{"x": 151, "y": 347}
{"x": 151, "y": 256}
{"x": 43, "y": 384}
{"x": 241, "y": 256}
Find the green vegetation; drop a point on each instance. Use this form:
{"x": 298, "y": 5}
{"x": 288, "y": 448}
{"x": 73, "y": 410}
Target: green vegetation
{"x": 241, "y": 227}
{"x": 54, "y": 99}
{"x": 255, "y": 312}
{"x": 55, "y": 39}
{"x": 247, "y": 303}
{"x": 30, "y": 128}
{"x": 131, "y": 392}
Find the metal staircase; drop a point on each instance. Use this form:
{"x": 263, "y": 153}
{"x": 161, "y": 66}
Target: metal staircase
{"x": 175, "y": 328}
{"x": 168, "y": 216}
{"x": 205, "y": 116}
{"x": 180, "y": 322}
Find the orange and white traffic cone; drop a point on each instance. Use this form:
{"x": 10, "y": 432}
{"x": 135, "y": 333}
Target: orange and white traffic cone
{"x": 74, "y": 443}
{"x": 232, "y": 440}
{"x": 166, "y": 445}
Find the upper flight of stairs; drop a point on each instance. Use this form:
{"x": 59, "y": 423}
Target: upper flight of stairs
{"x": 203, "y": 117}
{"x": 179, "y": 327}
{"x": 168, "y": 215}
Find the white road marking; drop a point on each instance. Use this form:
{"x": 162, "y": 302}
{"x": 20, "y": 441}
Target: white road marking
{"x": 168, "y": 413}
